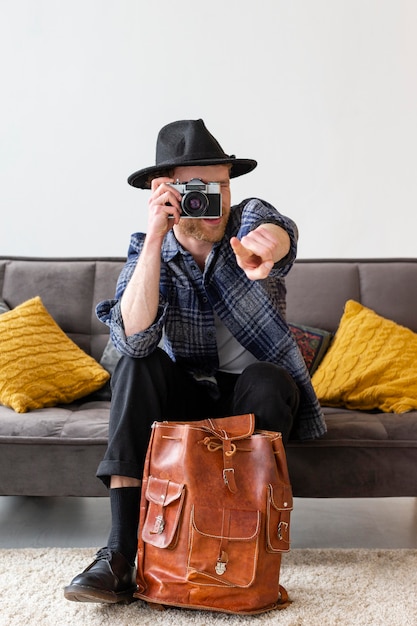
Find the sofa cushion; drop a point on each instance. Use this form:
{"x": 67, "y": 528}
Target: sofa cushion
{"x": 371, "y": 364}
{"x": 312, "y": 343}
{"x": 39, "y": 365}
{"x": 110, "y": 357}
{"x": 3, "y": 306}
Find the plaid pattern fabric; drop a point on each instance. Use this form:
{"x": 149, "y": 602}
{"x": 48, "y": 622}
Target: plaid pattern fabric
{"x": 253, "y": 311}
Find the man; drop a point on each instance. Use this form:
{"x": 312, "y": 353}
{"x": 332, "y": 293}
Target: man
{"x": 199, "y": 318}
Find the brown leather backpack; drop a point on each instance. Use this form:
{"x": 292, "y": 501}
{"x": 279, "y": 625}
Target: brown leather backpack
{"x": 215, "y": 516}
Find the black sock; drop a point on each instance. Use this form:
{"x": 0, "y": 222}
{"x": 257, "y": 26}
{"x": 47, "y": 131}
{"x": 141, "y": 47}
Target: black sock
{"x": 123, "y": 538}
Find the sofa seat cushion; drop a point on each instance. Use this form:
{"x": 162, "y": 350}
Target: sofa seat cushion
{"x": 87, "y": 421}
{"x": 83, "y": 421}
{"x": 362, "y": 454}
{"x": 363, "y": 428}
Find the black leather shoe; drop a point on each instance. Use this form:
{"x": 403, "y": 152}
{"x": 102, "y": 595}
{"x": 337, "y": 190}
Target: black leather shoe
{"x": 110, "y": 578}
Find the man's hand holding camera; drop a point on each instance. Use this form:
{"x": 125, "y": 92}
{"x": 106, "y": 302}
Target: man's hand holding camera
{"x": 164, "y": 207}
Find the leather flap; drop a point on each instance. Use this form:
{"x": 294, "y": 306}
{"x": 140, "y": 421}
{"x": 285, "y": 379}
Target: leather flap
{"x": 241, "y": 525}
{"x": 162, "y": 491}
{"x": 234, "y": 427}
{"x": 280, "y": 496}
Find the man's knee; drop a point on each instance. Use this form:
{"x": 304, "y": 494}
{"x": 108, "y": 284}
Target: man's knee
{"x": 268, "y": 378}
{"x": 269, "y": 392}
{"x": 131, "y": 369}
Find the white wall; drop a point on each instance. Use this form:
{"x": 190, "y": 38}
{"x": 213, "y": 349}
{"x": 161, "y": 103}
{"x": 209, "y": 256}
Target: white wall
{"x": 323, "y": 93}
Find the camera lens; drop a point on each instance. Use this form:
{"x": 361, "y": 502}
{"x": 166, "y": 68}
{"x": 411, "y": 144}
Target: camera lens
{"x": 194, "y": 203}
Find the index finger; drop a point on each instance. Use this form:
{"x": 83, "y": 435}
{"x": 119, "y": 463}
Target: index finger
{"x": 159, "y": 181}
{"x": 239, "y": 249}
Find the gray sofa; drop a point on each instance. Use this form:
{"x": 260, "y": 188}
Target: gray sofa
{"x": 55, "y": 451}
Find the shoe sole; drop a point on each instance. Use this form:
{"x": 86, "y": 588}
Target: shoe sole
{"x": 77, "y": 593}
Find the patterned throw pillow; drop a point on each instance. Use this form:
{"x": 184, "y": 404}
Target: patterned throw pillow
{"x": 312, "y": 343}
{"x": 39, "y": 365}
{"x": 371, "y": 364}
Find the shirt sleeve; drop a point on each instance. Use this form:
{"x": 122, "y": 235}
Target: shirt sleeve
{"x": 109, "y": 312}
{"x": 255, "y": 212}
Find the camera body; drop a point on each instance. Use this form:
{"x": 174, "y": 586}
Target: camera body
{"x": 199, "y": 200}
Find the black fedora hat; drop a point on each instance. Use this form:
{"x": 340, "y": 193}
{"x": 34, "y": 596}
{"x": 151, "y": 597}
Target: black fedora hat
{"x": 188, "y": 142}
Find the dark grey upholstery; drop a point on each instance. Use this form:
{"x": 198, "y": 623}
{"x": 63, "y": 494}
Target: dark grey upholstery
{"x": 362, "y": 454}
{"x": 55, "y": 451}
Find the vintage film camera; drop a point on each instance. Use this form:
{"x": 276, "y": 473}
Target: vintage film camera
{"x": 199, "y": 199}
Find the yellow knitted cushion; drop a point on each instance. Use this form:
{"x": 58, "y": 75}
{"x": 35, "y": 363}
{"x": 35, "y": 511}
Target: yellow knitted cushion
{"x": 39, "y": 365}
{"x": 371, "y": 364}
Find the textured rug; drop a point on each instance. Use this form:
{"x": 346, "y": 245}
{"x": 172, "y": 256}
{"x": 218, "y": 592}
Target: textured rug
{"x": 328, "y": 588}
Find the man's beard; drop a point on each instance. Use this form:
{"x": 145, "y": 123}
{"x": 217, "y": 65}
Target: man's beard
{"x": 198, "y": 229}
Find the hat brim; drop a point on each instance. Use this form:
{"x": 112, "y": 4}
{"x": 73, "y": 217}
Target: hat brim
{"x": 142, "y": 178}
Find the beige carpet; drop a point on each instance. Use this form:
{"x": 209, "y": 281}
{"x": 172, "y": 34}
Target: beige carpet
{"x": 328, "y": 588}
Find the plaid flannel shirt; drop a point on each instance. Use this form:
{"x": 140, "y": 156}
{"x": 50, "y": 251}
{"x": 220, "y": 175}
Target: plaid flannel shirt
{"x": 253, "y": 311}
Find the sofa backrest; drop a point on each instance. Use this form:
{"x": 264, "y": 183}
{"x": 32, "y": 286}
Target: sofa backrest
{"x": 69, "y": 289}
{"x": 318, "y": 289}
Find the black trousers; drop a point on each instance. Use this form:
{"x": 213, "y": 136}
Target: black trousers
{"x": 155, "y": 388}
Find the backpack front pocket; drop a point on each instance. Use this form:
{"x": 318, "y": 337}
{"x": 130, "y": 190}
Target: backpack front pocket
{"x": 277, "y": 523}
{"x": 165, "y": 501}
{"x": 223, "y": 546}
